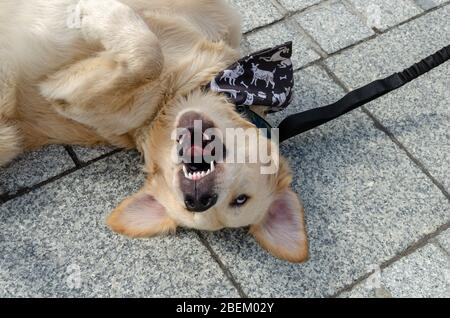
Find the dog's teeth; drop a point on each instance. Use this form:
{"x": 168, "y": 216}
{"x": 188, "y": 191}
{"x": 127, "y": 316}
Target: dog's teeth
{"x": 197, "y": 175}
{"x": 181, "y": 140}
{"x": 206, "y": 136}
{"x": 212, "y": 166}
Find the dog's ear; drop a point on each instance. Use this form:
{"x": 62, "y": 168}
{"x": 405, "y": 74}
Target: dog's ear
{"x": 282, "y": 231}
{"x": 141, "y": 215}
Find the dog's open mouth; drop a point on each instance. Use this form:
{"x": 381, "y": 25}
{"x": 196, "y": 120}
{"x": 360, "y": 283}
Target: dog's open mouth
{"x": 197, "y": 147}
{"x": 197, "y": 172}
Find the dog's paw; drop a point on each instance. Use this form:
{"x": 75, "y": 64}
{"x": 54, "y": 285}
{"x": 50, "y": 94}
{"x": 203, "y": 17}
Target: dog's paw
{"x": 101, "y": 20}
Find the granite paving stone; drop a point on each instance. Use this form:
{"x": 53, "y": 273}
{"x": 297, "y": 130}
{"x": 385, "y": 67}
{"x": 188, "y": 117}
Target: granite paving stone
{"x": 333, "y": 26}
{"x": 424, "y": 274}
{"x": 393, "y": 51}
{"x": 418, "y": 114}
{"x": 34, "y": 167}
{"x": 383, "y": 14}
{"x": 429, "y": 4}
{"x": 294, "y": 5}
{"x": 85, "y": 154}
{"x": 256, "y": 13}
{"x": 444, "y": 240}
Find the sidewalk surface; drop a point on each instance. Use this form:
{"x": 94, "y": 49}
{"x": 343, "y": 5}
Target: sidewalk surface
{"x": 375, "y": 183}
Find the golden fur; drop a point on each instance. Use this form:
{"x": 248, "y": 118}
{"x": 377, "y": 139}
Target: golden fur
{"x": 123, "y": 77}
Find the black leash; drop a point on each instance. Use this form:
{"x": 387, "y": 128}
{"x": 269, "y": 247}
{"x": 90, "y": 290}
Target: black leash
{"x": 298, "y": 123}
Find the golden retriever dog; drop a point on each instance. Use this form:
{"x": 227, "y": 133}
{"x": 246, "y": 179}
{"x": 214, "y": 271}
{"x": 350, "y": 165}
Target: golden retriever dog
{"x": 128, "y": 73}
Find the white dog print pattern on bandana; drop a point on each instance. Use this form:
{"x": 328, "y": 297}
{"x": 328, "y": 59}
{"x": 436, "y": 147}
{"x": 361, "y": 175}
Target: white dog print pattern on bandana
{"x": 264, "y": 78}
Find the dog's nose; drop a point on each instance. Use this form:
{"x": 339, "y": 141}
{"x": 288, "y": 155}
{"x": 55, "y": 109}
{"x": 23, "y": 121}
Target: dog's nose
{"x": 200, "y": 204}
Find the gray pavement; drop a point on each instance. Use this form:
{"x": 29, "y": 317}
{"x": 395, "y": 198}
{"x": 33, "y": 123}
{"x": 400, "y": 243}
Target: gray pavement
{"x": 375, "y": 183}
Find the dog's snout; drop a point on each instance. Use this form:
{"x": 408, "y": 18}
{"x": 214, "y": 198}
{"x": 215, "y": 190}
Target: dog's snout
{"x": 200, "y": 204}
{"x": 201, "y": 161}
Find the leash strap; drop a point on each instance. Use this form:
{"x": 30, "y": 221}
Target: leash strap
{"x": 298, "y": 123}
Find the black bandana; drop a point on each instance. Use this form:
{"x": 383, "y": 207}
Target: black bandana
{"x": 264, "y": 78}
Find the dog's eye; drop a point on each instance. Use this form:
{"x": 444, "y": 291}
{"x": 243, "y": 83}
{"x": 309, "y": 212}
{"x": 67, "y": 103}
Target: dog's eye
{"x": 240, "y": 200}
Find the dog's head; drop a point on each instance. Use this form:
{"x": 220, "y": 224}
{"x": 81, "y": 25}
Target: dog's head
{"x": 194, "y": 183}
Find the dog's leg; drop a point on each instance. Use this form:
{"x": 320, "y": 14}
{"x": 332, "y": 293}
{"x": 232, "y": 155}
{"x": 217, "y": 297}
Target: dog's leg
{"x": 132, "y": 55}
{"x": 10, "y": 139}
{"x": 10, "y": 142}
{"x": 217, "y": 19}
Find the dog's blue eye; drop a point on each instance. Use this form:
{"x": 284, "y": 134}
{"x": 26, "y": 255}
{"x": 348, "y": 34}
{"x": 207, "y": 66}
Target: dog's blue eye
{"x": 240, "y": 200}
